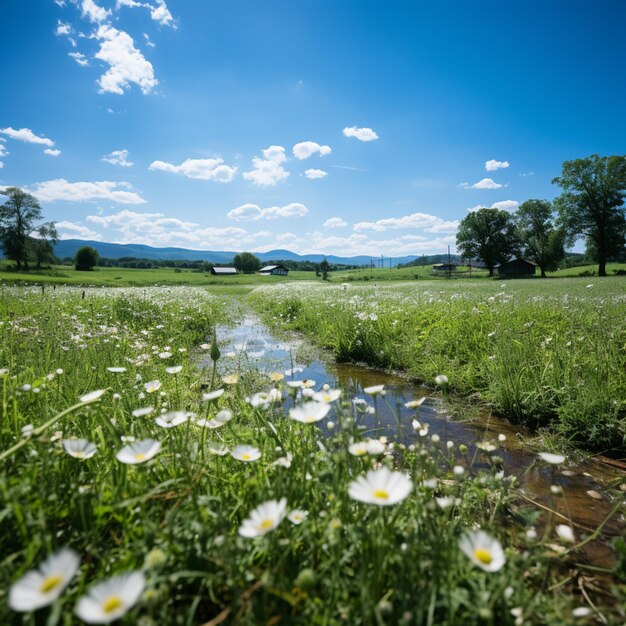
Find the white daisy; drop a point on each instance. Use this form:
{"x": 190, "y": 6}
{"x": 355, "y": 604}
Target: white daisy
{"x": 374, "y": 390}
{"x": 172, "y": 418}
{"x": 213, "y": 395}
{"x": 231, "y": 379}
{"x": 309, "y": 412}
{"x": 483, "y": 550}
{"x": 138, "y": 452}
{"x": 553, "y": 459}
{"x": 152, "y": 386}
{"x": 245, "y": 453}
{"x": 413, "y": 404}
{"x": 297, "y": 516}
{"x": 93, "y": 395}
{"x": 43, "y": 586}
{"x": 110, "y": 599}
{"x": 382, "y": 487}
{"x": 264, "y": 518}
{"x": 174, "y": 369}
{"x": 116, "y": 370}
{"x": 565, "y": 533}
{"x": 327, "y": 395}
{"x": 219, "y": 420}
{"x": 79, "y": 448}
{"x": 263, "y": 399}
{"x": 442, "y": 379}
{"x": 143, "y": 411}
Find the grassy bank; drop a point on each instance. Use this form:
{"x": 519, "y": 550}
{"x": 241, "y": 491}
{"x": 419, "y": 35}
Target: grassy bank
{"x": 545, "y": 353}
{"x": 180, "y": 515}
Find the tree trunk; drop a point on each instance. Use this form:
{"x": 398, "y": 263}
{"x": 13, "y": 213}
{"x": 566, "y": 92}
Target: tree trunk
{"x": 543, "y": 272}
{"x": 602, "y": 267}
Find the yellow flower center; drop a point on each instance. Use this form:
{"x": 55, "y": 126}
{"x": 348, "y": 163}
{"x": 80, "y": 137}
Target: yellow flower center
{"x": 79, "y": 454}
{"x": 50, "y": 583}
{"x": 483, "y": 555}
{"x": 381, "y": 494}
{"x": 361, "y": 452}
{"x": 245, "y": 456}
{"x": 111, "y": 604}
{"x": 266, "y": 523}
{"x": 140, "y": 457}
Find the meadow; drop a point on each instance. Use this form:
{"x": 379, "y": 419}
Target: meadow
{"x": 545, "y": 353}
{"x": 136, "y": 486}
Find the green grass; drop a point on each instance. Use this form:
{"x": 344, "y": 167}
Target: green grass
{"x": 127, "y": 277}
{"x": 177, "y": 516}
{"x": 543, "y": 352}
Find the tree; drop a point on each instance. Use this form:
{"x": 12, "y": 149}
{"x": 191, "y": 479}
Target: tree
{"x": 540, "y": 240}
{"x": 86, "y": 258}
{"x": 488, "y": 235}
{"x": 18, "y": 223}
{"x": 592, "y": 204}
{"x": 247, "y": 263}
{"x": 324, "y": 269}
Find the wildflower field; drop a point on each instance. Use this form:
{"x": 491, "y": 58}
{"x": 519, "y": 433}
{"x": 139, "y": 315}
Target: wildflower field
{"x": 545, "y": 353}
{"x": 136, "y": 486}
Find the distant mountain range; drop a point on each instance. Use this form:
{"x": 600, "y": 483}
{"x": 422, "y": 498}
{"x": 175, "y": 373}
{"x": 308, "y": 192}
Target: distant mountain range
{"x": 68, "y": 248}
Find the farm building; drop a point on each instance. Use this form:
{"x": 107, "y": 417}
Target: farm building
{"x": 224, "y": 271}
{"x": 444, "y": 267}
{"x": 516, "y": 267}
{"x": 273, "y": 270}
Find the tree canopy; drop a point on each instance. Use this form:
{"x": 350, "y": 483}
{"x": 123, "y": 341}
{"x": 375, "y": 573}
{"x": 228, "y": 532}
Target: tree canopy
{"x": 540, "y": 240}
{"x": 86, "y": 258}
{"x": 488, "y": 235}
{"x": 592, "y": 204}
{"x": 21, "y": 236}
{"x": 246, "y": 262}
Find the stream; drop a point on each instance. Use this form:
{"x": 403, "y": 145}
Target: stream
{"x": 584, "y": 503}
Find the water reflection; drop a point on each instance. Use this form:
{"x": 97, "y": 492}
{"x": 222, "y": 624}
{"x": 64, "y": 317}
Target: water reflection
{"x": 253, "y": 345}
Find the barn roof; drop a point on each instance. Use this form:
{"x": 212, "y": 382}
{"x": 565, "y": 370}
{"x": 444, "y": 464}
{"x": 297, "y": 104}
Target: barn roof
{"x": 224, "y": 270}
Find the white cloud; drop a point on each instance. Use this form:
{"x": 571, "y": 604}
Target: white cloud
{"x": 485, "y": 183}
{"x": 3, "y": 151}
{"x": 315, "y": 173}
{"x": 70, "y": 230}
{"x": 362, "y": 134}
{"x": 80, "y": 58}
{"x": 61, "y": 189}
{"x": 148, "y": 41}
{"x": 60, "y": 3}
{"x": 305, "y": 149}
{"x": 52, "y": 152}
{"x": 127, "y": 64}
{"x": 268, "y": 171}
{"x": 155, "y": 229}
{"x": 504, "y": 205}
{"x": 27, "y": 135}
{"x": 159, "y": 13}
{"x": 63, "y": 28}
{"x": 118, "y": 157}
{"x": 253, "y": 212}
{"x": 93, "y": 12}
{"x": 335, "y": 222}
{"x": 202, "y": 169}
{"x": 492, "y": 165}
{"x": 423, "y": 221}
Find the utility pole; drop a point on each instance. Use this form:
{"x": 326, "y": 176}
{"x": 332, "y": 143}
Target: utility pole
{"x": 449, "y": 266}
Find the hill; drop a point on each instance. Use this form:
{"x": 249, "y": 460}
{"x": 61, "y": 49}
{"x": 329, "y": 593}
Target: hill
{"x": 68, "y": 248}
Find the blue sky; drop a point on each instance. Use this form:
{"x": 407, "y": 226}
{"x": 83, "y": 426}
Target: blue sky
{"x": 340, "y": 127}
